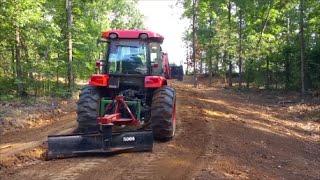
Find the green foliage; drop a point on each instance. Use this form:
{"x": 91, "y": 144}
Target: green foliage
{"x": 270, "y": 46}
{"x": 41, "y": 25}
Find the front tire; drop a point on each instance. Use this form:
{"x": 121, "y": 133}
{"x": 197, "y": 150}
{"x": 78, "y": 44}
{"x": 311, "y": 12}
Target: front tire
{"x": 87, "y": 109}
{"x": 163, "y": 113}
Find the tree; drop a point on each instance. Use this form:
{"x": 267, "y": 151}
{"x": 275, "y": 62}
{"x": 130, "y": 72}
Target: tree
{"x": 194, "y": 2}
{"x": 240, "y": 47}
{"x": 37, "y": 52}
{"x": 302, "y": 45}
{"x": 69, "y": 45}
{"x": 229, "y": 42}
{"x": 263, "y": 36}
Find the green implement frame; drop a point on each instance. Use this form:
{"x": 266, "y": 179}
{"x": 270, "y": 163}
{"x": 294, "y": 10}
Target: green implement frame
{"x": 135, "y": 106}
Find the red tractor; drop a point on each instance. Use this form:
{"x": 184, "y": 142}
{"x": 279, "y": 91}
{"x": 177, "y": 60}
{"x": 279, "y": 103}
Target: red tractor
{"x": 128, "y": 104}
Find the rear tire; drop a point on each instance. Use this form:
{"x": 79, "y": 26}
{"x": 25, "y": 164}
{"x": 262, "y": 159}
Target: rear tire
{"x": 163, "y": 113}
{"x": 87, "y": 109}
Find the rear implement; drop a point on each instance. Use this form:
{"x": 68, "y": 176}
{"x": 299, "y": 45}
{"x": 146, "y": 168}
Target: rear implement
{"x": 105, "y": 141}
{"x": 101, "y": 143}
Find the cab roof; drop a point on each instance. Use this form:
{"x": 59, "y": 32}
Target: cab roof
{"x": 133, "y": 34}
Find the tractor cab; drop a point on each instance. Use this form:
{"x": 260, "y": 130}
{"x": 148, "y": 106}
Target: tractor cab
{"x": 133, "y": 52}
{"x": 132, "y": 59}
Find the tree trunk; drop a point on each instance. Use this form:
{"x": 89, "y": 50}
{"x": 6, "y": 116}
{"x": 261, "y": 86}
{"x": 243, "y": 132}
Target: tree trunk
{"x": 69, "y": 45}
{"x": 249, "y": 72}
{"x": 229, "y": 39}
{"x": 187, "y": 58}
{"x": 201, "y": 68}
{"x": 216, "y": 65}
{"x": 276, "y": 75}
{"x": 287, "y": 72}
{"x": 224, "y": 59}
{"x": 57, "y": 71}
{"x": 13, "y": 56}
{"x": 193, "y": 44}
{"x": 268, "y": 75}
{"x": 302, "y": 46}
{"x": 210, "y": 53}
{"x": 265, "y": 24}
{"x": 28, "y": 70}
{"x": 287, "y": 60}
{"x": 210, "y": 69}
{"x": 230, "y": 73}
{"x": 240, "y": 48}
{"x": 20, "y": 87}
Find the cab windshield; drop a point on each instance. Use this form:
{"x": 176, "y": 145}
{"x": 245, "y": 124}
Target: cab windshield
{"x": 128, "y": 57}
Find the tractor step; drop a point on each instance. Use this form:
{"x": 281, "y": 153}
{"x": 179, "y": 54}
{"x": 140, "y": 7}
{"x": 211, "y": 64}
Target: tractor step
{"x": 101, "y": 143}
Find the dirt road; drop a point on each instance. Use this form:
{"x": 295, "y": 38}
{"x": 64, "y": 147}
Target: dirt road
{"x": 220, "y": 135}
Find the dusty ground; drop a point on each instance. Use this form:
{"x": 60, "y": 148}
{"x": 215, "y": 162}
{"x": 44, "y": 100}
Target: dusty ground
{"x": 32, "y": 113}
{"x": 221, "y": 134}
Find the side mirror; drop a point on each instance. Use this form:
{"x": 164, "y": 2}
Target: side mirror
{"x": 99, "y": 65}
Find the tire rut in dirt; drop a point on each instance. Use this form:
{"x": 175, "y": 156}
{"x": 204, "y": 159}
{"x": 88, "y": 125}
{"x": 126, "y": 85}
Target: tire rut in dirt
{"x": 162, "y": 109}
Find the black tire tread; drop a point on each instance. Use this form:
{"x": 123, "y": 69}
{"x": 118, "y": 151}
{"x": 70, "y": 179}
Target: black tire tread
{"x": 88, "y": 108}
{"x": 161, "y": 113}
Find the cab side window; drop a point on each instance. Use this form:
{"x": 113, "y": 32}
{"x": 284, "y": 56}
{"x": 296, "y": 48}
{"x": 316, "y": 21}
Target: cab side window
{"x": 155, "y": 58}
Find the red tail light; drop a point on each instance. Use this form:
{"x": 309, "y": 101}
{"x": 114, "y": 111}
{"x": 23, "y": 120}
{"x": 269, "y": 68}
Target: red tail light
{"x": 154, "y": 81}
{"x": 99, "y": 80}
